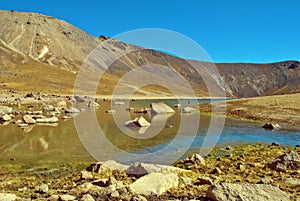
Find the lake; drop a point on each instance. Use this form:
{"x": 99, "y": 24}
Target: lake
{"x": 95, "y": 134}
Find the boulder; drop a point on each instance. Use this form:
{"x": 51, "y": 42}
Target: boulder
{"x": 87, "y": 197}
{"x": 203, "y": 181}
{"x": 67, "y": 197}
{"x": 5, "y": 110}
{"x": 28, "y": 119}
{"x": 42, "y": 189}
{"x": 246, "y": 192}
{"x": 106, "y": 165}
{"x": 72, "y": 110}
{"x": 140, "y": 169}
{"x": 47, "y": 120}
{"x": 48, "y": 108}
{"x": 160, "y": 108}
{"x": 188, "y": 110}
{"x": 288, "y": 161}
{"x": 62, "y": 104}
{"x": 139, "y": 121}
{"x": 194, "y": 160}
{"x": 270, "y": 126}
{"x": 155, "y": 183}
{"x": 5, "y": 117}
{"x": 85, "y": 175}
{"x": 92, "y": 104}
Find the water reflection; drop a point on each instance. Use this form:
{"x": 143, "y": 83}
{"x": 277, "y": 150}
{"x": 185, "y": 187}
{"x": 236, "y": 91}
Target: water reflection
{"x": 165, "y": 139}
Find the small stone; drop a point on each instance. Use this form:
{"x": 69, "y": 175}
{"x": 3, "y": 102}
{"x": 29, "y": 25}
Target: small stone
{"x": 101, "y": 182}
{"x": 216, "y": 171}
{"x": 203, "y": 181}
{"x": 185, "y": 180}
{"x": 275, "y": 144}
{"x": 241, "y": 166}
{"x": 115, "y": 194}
{"x": 228, "y": 148}
{"x": 85, "y": 175}
{"x": 87, "y": 197}
{"x": 138, "y": 198}
{"x": 67, "y": 197}
{"x": 266, "y": 180}
{"x": 53, "y": 198}
{"x": 42, "y": 189}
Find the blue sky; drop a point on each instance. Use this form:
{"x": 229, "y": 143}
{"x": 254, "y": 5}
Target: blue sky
{"x": 229, "y": 31}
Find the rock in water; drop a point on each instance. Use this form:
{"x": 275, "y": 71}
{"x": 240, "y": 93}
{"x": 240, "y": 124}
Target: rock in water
{"x": 28, "y": 119}
{"x": 154, "y": 183}
{"x": 288, "y": 161}
{"x": 246, "y": 192}
{"x": 139, "y": 121}
{"x": 270, "y": 126}
{"x": 72, "y": 110}
{"x": 161, "y": 108}
{"x": 92, "y": 104}
{"x": 188, "y": 110}
{"x": 48, "y": 120}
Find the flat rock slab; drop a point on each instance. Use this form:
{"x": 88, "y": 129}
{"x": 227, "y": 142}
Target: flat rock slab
{"x": 154, "y": 183}
{"x": 246, "y": 192}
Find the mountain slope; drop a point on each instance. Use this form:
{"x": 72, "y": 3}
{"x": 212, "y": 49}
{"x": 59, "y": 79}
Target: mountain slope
{"x": 41, "y": 53}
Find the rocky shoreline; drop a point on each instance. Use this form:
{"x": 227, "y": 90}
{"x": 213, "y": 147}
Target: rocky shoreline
{"x": 248, "y": 172}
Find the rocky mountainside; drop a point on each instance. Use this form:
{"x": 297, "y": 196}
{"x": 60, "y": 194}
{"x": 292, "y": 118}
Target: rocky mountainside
{"x": 41, "y": 53}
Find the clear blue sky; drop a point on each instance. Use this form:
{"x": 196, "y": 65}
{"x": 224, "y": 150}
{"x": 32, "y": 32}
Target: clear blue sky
{"x": 229, "y": 31}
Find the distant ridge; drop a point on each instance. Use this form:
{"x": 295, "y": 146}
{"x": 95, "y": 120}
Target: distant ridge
{"x": 41, "y": 53}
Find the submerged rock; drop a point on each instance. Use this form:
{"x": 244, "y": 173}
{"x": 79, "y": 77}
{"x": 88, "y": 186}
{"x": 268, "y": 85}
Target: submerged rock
{"x": 48, "y": 120}
{"x": 188, "y": 110}
{"x": 246, "y": 192}
{"x": 288, "y": 161}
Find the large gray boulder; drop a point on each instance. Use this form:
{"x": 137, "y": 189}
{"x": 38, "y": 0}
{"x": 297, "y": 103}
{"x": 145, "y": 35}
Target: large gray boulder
{"x": 155, "y": 183}
{"x": 246, "y": 192}
{"x": 288, "y": 161}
